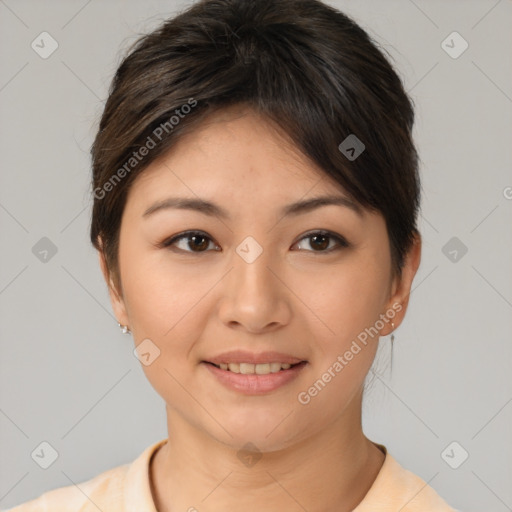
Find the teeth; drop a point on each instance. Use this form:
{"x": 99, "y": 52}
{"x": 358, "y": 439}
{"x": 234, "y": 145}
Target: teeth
{"x": 262, "y": 369}
{"x": 258, "y": 369}
{"x": 275, "y": 367}
{"x": 234, "y": 367}
{"x": 246, "y": 368}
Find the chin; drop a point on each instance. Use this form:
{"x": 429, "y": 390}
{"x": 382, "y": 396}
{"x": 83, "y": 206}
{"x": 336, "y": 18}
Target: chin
{"x": 268, "y": 429}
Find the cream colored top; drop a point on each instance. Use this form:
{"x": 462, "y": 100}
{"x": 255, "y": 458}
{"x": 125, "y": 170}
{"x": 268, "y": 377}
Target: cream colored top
{"x": 126, "y": 488}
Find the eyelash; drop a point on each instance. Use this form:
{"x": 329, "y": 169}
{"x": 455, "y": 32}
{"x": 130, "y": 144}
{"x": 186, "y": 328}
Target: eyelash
{"x": 341, "y": 242}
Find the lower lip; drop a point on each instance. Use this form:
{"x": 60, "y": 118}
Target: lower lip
{"x": 254, "y": 384}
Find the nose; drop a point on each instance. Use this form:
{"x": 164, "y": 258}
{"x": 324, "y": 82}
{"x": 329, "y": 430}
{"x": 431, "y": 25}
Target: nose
{"x": 254, "y": 295}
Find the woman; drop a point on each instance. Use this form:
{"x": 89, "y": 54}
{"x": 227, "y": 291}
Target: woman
{"x": 256, "y": 192}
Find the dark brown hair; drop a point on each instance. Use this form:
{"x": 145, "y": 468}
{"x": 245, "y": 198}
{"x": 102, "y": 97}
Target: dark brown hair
{"x": 304, "y": 66}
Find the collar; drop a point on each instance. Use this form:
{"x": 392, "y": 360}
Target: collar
{"x": 394, "y": 489}
{"x": 137, "y": 490}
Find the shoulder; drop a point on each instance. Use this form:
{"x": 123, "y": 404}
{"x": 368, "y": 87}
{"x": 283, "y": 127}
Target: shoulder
{"x": 110, "y": 490}
{"x": 415, "y": 494}
{"x": 397, "y": 488}
{"x": 103, "y": 491}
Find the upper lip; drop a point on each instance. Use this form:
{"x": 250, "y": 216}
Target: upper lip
{"x": 243, "y": 356}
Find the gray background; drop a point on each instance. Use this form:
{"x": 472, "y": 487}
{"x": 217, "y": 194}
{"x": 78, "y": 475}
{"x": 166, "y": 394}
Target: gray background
{"x": 69, "y": 377}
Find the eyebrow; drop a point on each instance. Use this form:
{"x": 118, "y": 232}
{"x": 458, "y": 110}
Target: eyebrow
{"x": 212, "y": 209}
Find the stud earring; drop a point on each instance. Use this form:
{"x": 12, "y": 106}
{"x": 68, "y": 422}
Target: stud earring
{"x": 124, "y": 329}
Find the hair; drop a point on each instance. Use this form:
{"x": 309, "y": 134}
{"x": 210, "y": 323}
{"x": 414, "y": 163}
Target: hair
{"x": 302, "y": 65}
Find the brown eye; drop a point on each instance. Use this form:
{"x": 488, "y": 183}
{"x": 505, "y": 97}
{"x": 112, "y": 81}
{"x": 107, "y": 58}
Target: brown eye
{"x": 198, "y": 242}
{"x": 191, "y": 241}
{"x": 320, "y": 241}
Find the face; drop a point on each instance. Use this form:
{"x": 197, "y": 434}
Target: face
{"x": 310, "y": 287}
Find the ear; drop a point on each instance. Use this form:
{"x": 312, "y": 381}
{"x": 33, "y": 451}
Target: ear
{"x": 401, "y": 285}
{"x": 116, "y": 299}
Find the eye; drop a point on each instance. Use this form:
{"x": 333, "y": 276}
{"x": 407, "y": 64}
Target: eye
{"x": 195, "y": 241}
{"x": 198, "y": 241}
{"x": 319, "y": 241}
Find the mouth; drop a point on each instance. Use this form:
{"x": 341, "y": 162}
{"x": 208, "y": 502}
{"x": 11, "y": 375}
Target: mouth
{"x": 255, "y": 378}
{"x": 255, "y": 369}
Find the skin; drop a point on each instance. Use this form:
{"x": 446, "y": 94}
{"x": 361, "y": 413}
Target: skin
{"x": 293, "y": 298}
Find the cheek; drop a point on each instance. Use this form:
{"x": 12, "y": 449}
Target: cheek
{"x": 164, "y": 304}
{"x": 166, "y": 307}
{"x": 351, "y": 302}
{"x": 155, "y": 294}
{"x": 346, "y": 300}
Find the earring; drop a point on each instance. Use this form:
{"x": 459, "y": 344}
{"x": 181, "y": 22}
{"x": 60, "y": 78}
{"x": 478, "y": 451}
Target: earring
{"x": 392, "y": 340}
{"x": 124, "y": 329}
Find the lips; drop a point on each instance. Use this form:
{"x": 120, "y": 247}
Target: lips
{"x": 255, "y": 384}
{"x": 251, "y": 369}
{"x": 243, "y": 356}
{"x": 254, "y": 373}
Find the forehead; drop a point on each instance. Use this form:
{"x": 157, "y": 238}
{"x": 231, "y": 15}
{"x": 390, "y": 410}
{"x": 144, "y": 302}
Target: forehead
{"x": 235, "y": 152}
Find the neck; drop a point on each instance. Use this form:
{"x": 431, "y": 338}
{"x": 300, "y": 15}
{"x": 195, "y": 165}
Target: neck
{"x": 331, "y": 470}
